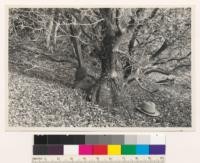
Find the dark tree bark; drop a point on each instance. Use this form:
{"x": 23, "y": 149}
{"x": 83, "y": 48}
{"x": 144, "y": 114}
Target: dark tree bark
{"x": 82, "y": 79}
{"x": 160, "y": 50}
{"x": 106, "y": 89}
{"x": 76, "y": 46}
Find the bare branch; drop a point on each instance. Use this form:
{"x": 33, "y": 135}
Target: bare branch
{"x": 172, "y": 59}
{"x": 117, "y": 21}
{"x": 153, "y": 13}
{"x": 141, "y": 86}
{"x": 82, "y": 29}
{"x": 158, "y": 70}
{"x": 181, "y": 66}
{"x": 160, "y": 50}
{"x": 84, "y": 24}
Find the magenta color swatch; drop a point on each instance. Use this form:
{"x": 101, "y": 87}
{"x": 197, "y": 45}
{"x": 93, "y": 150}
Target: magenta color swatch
{"x": 85, "y": 149}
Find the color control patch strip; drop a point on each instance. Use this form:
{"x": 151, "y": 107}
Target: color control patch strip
{"x": 99, "y": 149}
{"x": 112, "y": 145}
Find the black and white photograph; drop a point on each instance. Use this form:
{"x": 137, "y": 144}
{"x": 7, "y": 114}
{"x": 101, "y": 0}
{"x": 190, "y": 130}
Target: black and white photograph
{"x": 99, "y": 67}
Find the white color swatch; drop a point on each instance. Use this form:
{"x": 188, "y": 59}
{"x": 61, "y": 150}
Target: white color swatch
{"x": 157, "y": 139}
{"x": 71, "y": 149}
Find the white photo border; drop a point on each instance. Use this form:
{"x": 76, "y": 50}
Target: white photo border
{"x": 194, "y": 100}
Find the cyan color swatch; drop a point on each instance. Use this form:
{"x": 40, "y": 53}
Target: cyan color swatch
{"x": 142, "y": 149}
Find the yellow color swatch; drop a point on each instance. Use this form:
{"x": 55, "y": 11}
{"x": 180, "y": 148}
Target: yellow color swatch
{"x": 114, "y": 149}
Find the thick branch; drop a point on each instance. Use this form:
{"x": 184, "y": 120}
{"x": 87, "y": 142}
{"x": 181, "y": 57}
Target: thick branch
{"x": 181, "y": 66}
{"x": 154, "y": 13}
{"x": 161, "y": 71}
{"x": 141, "y": 86}
{"x": 138, "y": 27}
{"x": 117, "y": 21}
{"x": 160, "y": 50}
{"x": 82, "y": 28}
{"x": 131, "y": 42}
{"x": 172, "y": 59}
{"x": 86, "y": 24}
{"x": 76, "y": 45}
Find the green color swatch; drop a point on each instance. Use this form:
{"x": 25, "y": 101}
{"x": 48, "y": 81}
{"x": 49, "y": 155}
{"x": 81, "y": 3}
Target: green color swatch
{"x": 128, "y": 149}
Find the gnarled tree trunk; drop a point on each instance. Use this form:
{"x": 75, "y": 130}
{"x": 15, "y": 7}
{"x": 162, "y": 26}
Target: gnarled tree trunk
{"x": 106, "y": 89}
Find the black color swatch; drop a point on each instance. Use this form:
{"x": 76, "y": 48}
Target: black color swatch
{"x": 40, "y": 139}
{"x": 59, "y": 139}
{"x": 40, "y": 150}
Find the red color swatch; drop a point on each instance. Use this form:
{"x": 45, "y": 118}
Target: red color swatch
{"x": 100, "y": 150}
